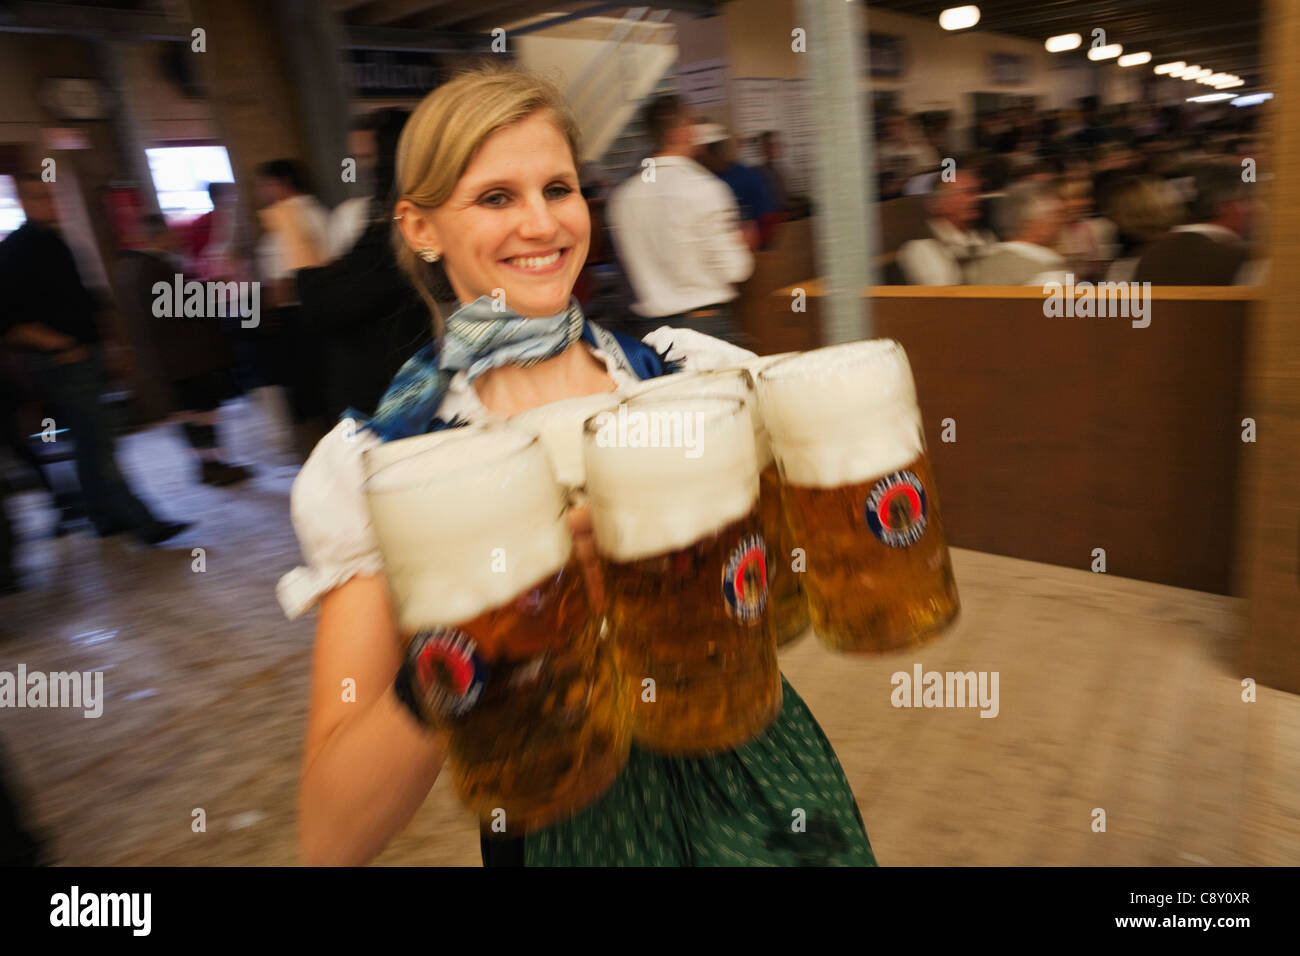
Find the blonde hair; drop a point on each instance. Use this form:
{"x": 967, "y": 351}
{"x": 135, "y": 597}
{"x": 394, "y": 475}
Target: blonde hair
{"x": 1144, "y": 207}
{"x": 445, "y": 133}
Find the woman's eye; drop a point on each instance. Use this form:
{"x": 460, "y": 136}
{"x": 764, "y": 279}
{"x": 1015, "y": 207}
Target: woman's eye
{"x": 494, "y": 199}
{"x": 558, "y": 191}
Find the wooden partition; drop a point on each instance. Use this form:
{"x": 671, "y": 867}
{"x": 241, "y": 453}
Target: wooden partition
{"x": 766, "y": 320}
{"x": 1081, "y": 433}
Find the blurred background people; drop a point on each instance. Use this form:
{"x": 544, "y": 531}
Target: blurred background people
{"x": 190, "y": 353}
{"x": 678, "y": 232}
{"x": 749, "y": 187}
{"x": 296, "y": 236}
{"x": 1032, "y": 215}
{"x": 360, "y": 308}
{"x": 50, "y": 313}
{"x": 1211, "y": 249}
{"x": 941, "y": 258}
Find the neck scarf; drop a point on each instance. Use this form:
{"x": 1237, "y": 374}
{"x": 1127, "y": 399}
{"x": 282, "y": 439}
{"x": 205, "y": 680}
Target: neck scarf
{"x": 478, "y": 338}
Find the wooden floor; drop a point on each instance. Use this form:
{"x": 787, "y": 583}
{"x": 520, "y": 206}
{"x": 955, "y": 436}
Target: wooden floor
{"x": 1113, "y": 694}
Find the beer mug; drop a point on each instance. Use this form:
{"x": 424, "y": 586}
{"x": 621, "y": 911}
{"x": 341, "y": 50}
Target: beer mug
{"x": 859, "y": 494}
{"x": 673, "y": 491}
{"x": 495, "y": 624}
{"x": 380, "y": 456}
{"x": 787, "y": 611}
{"x": 559, "y": 426}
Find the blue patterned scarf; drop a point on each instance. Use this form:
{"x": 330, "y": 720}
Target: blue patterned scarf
{"x": 478, "y": 338}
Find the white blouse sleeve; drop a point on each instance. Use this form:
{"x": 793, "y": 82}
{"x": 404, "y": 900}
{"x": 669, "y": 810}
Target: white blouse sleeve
{"x": 698, "y": 352}
{"x": 331, "y": 520}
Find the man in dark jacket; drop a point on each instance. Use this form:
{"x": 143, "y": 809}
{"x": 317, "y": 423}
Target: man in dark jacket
{"x": 50, "y": 313}
{"x": 367, "y": 316}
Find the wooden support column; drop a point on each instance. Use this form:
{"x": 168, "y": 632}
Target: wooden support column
{"x": 1269, "y": 546}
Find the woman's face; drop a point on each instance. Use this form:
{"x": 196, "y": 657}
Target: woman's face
{"x": 516, "y": 221}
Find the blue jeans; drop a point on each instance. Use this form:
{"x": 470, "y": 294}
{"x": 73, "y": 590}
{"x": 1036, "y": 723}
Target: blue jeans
{"x": 74, "y": 391}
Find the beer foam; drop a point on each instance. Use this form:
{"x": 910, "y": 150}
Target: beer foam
{"x": 379, "y": 457}
{"x": 722, "y": 383}
{"x": 842, "y": 414}
{"x": 559, "y": 426}
{"x": 467, "y": 525}
{"x": 648, "y": 500}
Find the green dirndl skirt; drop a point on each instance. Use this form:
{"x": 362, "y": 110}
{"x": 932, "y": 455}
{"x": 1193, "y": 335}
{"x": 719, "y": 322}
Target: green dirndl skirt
{"x": 738, "y": 808}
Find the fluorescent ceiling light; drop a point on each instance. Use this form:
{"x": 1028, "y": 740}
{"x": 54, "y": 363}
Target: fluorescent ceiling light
{"x": 1066, "y": 41}
{"x": 1108, "y": 52}
{"x": 959, "y": 18}
{"x": 1135, "y": 59}
{"x": 1186, "y": 72}
{"x": 1171, "y": 68}
{"x": 1210, "y": 98}
{"x": 1252, "y": 99}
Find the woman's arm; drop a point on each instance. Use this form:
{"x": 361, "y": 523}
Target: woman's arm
{"x": 368, "y": 764}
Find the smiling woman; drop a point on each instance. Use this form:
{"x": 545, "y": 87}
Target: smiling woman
{"x": 489, "y": 210}
{"x": 493, "y": 192}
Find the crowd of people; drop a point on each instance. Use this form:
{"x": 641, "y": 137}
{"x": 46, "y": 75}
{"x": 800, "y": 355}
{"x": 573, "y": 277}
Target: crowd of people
{"x": 1119, "y": 194}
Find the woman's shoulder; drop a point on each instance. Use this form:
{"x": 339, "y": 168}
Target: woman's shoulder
{"x": 328, "y": 490}
{"x": 330, "y": 518}
{"x": 695, "y": 351}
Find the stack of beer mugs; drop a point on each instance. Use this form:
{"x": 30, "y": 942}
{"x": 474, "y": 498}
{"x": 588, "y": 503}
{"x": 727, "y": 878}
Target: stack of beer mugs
{"x": 673, "y": 490}
{"x": 728, "y": 507}
{"x": 497, "y": 633}
{"x": 859, "y": 494}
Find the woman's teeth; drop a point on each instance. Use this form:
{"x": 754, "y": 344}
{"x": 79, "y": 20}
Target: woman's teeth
{"x": 535, "y": 262}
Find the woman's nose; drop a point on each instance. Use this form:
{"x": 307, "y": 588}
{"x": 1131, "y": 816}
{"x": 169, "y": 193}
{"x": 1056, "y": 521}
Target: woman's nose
{"x": 537, "y": 221}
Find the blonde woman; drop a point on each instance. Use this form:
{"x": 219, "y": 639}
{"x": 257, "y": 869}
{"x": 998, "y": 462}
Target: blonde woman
{"x": 489, "y": 199}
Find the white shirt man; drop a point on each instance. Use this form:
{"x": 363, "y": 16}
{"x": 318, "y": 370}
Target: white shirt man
{"x": 1033, "y": 215}
{"x": 940, "y": 259}
{"x": 676, "y": 227}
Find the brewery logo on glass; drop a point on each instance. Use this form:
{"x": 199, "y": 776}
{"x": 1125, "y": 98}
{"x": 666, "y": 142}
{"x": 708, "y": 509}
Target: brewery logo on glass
{"x": 896, "y": 509}
{"x": 450, "y": 674}
{"x": 744, "y": 579}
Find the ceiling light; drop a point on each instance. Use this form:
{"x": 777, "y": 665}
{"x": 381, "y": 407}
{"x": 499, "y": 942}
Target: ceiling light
{"x": 1252, "y": 99}
{"x": 1171, "y": 67}
{"x": 1108, "y": 52}
{"x": 959, "y": 18}
{"x": 1210, "y": 98}
{"x": 1135, "y": 59}
{"x": 1066, "y": 41}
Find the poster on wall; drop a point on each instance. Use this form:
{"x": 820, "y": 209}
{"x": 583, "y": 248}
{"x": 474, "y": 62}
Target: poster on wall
{"x": 703, "y": 84}
{"x": 760, "y": 105}
{"x": 1008, "y": 69}
{"x": 887, "y": 56}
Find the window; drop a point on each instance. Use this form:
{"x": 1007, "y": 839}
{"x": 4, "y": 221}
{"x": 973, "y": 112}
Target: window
{"x": 181, "y": 175}
{"x": 11, "y": 212}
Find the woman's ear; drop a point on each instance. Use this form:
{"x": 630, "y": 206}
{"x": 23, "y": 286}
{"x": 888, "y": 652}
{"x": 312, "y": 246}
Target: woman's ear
{"x": 417, "y": 227}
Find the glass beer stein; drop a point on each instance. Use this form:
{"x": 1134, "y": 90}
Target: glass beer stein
{"x": 860, "y": 495}
{"x": 787, "y": 612}
{"x": 673, "y": 491}
{"x": 495, "y": 624}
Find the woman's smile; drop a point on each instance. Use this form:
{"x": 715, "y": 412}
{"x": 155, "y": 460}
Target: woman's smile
{"x": 539, "y": 263}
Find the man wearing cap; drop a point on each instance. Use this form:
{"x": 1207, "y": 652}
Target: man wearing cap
{"x": 677, "y": 230}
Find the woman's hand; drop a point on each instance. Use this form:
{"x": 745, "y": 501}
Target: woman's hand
{"x": 584, "y": 546}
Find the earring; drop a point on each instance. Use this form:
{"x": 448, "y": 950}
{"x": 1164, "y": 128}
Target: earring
{"x": 398, "y": 218}
{"x": 428, "y": 255}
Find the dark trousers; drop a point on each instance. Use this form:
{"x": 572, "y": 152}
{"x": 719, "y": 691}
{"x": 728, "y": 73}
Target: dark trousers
{"x": 720, "y": 325}
{"x": 74, "y": 391}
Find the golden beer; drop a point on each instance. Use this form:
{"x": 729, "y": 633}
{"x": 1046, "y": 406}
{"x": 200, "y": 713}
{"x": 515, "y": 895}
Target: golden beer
{"x": 860, "y": 495}
{"x": 685, "y": 566}
{"x": 787, "y": 611}
{"x": 498, "y": 639}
